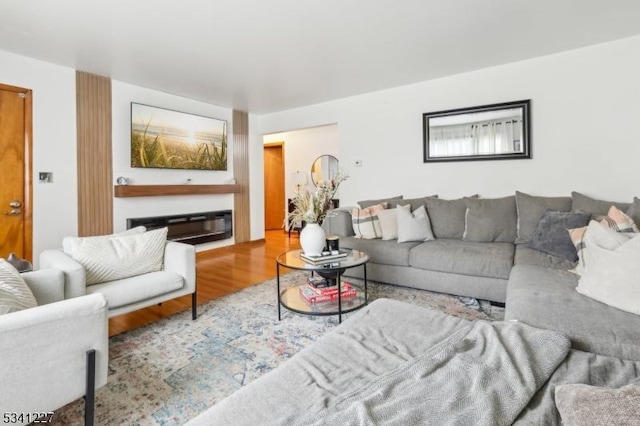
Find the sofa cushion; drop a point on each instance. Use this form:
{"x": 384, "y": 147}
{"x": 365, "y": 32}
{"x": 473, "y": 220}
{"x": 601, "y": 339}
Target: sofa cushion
{"x": 531, "y": 208}
{"x": 113, "y": 257}
{"x": 366, "y": 223}
{"x": 552, "y": 233}
{"x": 368, "y": 203}
{"x": 546, "y": 298}
{"x": 135, "y": 289}
{"x": 447, "y": 217}
{"x": 413, "y": 226}
{"x": 15, "y": 295}
{"x": 592, "y": 206}
{"x": 380, "y": 251}
{"x": 491, "y": 260}
{"x": 490, "y": 220}
{"x": 581, "y": 404}
{"x": 415, "y": 203}
{"x": 525, "y": 255}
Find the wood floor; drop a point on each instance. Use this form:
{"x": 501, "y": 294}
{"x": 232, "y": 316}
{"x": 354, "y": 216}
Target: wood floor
{"x": 219, "y": 272}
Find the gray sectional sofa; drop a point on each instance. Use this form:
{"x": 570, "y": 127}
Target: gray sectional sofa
{"x": 397, "y": 363}
{"x": 495, "y": 262}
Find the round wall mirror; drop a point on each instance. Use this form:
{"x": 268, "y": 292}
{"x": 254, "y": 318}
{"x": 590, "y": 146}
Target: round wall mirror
{"x": 324, "y": 168}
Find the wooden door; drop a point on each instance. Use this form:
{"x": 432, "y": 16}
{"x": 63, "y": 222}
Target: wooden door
{"x": 274, "y": 205}
{"x": 15, "y": 172}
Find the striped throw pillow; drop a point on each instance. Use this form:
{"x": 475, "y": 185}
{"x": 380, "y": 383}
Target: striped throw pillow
{"x": 15, "y": 295}
{"x": 366, "y": 224}
{"x": 615, "y": 219}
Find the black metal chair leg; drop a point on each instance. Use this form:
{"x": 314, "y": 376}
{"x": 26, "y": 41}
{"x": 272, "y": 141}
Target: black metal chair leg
{"x": 90, "y": 394}
{"x": 194, "y": 306}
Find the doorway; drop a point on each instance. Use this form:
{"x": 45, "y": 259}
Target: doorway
{"x": 274, "y": 203}
{"x": 16, "y": 165}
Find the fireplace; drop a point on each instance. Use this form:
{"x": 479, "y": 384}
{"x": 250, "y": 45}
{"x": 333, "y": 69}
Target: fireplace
{"x": 191, "y": 228}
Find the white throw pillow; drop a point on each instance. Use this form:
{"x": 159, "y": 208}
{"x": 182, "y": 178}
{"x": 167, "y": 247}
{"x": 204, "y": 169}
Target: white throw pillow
{"x": 113, "y": 257}
{"x": 611, "y": 273}
{"x": 414, "y": 226}
{"x": 389, "y": 222}
{"x": 15, "y": 295}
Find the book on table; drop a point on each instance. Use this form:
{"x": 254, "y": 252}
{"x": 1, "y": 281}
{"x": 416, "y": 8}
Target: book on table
{"x": 325, "y": 257}
{"x": 311, "y": 294}
{"x": 330, "y": 289}
{"x": 319, "y": 282}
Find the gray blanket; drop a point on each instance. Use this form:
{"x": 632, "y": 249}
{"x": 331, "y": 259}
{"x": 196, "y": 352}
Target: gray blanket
{"x": 483, "y": 374}
{"x": 386, "y": 337}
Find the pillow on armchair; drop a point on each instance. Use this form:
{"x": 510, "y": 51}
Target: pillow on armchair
{"x": 113, "y": 257}
{"x": 15, "y": 295}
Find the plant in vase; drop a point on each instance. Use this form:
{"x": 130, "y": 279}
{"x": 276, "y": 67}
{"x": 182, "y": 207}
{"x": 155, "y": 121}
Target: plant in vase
{"x": 311, "y": 208}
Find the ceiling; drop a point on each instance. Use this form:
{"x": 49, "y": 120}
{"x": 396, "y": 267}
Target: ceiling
{"x": 270, "y": 55}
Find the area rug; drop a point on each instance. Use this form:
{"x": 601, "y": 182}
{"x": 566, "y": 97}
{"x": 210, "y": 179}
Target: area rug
{"x": 169, "y": 371}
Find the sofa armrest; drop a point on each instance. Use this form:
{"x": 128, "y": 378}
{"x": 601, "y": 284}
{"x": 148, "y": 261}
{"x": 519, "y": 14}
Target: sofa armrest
{"x": 43, "y": 353}
{"x": 338, "y": 222}
{"x": 47, "y": 285}
{"x": 74, "y": 273}
{"x": 181, "y": 259}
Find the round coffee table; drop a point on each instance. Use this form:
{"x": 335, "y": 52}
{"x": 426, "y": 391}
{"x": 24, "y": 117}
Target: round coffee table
{"x": 290, "y": 296}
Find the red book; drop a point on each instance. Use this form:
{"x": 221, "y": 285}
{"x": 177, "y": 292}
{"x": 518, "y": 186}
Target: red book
{"x": 330, "y": 290}
{"x": 313, "y": 297}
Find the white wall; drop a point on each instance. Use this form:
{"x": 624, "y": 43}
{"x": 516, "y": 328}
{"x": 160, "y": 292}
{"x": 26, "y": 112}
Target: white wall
{"x": 122, "y": 96}
{"x": 301, "y": 148}
{"x": 585, "y": 108}
{"x": 55, "y": 205}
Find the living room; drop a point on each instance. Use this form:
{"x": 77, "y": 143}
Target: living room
{"x": 584, "y": 100}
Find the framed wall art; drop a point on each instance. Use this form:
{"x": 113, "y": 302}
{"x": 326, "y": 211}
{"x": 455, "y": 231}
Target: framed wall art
{"x": 166, "y": 139}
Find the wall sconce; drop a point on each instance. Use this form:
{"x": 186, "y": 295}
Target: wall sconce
{"x": 299, "y": 180}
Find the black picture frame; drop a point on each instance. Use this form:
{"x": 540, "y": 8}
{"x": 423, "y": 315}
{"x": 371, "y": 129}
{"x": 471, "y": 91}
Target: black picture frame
{"x": 468, "y": 134}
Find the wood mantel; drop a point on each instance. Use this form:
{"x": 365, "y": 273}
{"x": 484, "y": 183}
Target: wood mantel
{"x": 121, "y": 191}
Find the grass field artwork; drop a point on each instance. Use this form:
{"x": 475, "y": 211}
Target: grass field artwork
{"x": 166, "y": 139}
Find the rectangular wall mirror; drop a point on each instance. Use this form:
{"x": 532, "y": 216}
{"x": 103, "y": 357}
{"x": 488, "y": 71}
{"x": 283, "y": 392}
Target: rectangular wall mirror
{"x": 489, "y": 132}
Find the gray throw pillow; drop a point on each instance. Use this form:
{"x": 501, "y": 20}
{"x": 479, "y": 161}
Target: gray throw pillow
{"x": 368, "y": 203}
{"x": 580, "y": 404}
{"x": 447, "y": 217}
{"x": 415, "y": 203}
{"x": 551, "y": 235}
{"x": 634, "y": 211}
{"x": 490, "y": 220}
{"x": 593, "y": 207}
{"x": 530, "y": 210}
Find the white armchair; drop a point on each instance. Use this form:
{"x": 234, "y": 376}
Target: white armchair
{"x": 177, "y": 278}
{"x": 54, "y": 353}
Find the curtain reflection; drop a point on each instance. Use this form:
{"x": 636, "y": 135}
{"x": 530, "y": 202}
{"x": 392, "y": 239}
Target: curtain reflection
{"x": 502, "y": 136}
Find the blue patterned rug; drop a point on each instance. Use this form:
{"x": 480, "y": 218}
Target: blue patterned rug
{"x": 169, "y": 371}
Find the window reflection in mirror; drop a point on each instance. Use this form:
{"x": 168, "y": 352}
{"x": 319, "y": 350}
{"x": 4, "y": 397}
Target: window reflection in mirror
{"x": 499, "y": 131}
{"x": 324, "y": 168}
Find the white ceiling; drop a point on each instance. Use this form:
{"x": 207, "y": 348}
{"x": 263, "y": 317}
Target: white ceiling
{"x": 270, "y": 55}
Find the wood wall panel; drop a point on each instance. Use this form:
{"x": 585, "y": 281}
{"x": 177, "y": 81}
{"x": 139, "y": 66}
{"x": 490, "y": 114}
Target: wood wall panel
{"x": 242, "y": 216}
{"x": 95, "y": 182}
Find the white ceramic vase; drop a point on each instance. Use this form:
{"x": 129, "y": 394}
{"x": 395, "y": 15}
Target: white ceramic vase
{"x": 312, "y": 239}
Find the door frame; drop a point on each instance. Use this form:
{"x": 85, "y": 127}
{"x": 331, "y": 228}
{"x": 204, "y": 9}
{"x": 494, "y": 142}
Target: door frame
{"x": 27, "y": 204}
{"x": 284, "y": 177}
